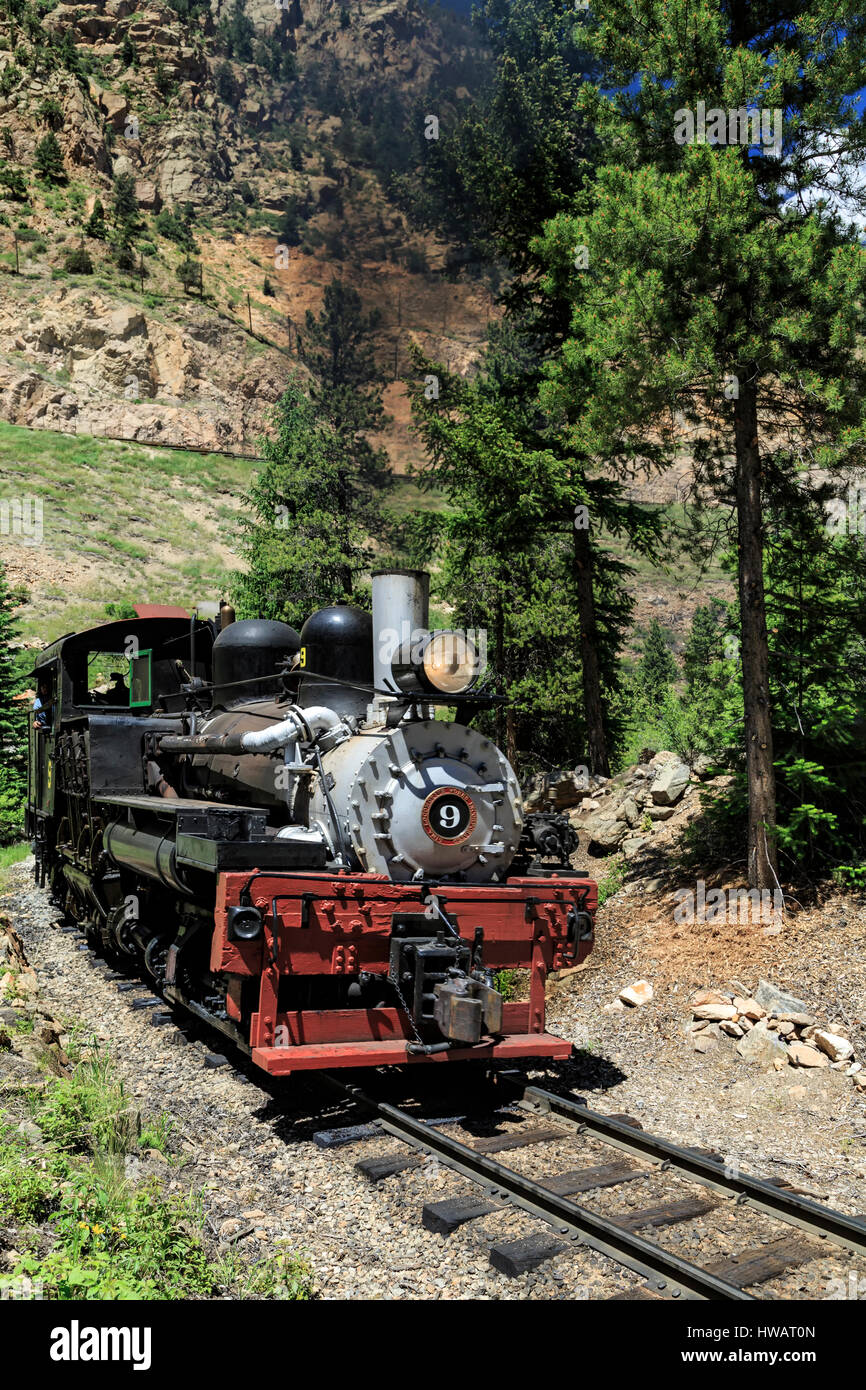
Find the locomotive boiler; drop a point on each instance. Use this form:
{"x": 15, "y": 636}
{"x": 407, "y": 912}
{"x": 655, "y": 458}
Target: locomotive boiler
{"x": 301, "y": 837}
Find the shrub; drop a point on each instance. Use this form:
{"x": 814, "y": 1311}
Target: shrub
{"x": 78, "y": 262}
{"x": 48, "y": 159}
{"x": 174, "y": 228}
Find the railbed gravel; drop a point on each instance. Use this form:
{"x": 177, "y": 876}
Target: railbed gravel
{"x": 246, "y": 1148}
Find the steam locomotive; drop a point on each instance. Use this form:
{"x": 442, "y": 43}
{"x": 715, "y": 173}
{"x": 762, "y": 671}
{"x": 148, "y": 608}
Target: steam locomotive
{"x": 280, "y": 832}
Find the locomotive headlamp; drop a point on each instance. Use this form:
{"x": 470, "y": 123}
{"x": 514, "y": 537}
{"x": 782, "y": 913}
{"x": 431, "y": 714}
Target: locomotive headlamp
{"x": 244, "y": 923}
{"x": 447, "y": 662}
{"x": 450, "y": 662}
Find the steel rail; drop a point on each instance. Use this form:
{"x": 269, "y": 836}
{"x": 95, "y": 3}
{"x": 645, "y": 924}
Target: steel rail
{"x": 809, "y": 1216}
{"x": 667, "y": 1272}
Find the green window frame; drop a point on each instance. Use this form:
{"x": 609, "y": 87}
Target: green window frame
{"x": 141, "y": 704}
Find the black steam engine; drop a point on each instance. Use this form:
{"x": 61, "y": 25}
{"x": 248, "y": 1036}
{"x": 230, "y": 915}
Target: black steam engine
{"x": 284, "y": 833}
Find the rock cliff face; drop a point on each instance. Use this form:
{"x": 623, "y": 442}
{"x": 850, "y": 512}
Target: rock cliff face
{"x": 231, "y": 149}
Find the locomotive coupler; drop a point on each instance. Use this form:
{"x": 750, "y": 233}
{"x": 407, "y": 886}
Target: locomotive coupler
{"x": 434, "y": 978}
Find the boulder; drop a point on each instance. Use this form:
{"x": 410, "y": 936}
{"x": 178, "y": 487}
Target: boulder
{"x": 633, "y": 846}
{"x": 660, "y": 812}
{"x": 641, "y": 992}
{"x": 761, "y": 1046}
{"x": 557, "y": 794}
{"x": 802, "y": 1055}
{"x": 669, "y": 785}
{"x": 837, "y": 1049}
{"x": 31, "y": 1132}
{"x": 605, "y": 832}
{"x": 147, "y": 195}
{"x": 732, "y": 1029}
{"x": 776, "y": 1001}
{"x": 660, "y": 759}
{"x": 628, "y": 810}
{"x": 714, "y": 1012}
{"x": 750, "y": 1008}
{"x": 17, "y": 1070}
{"x": 709, "y": 996}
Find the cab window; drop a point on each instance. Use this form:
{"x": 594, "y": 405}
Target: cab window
{"x": 140, "y": 680}
{"x": 45, "y": 700}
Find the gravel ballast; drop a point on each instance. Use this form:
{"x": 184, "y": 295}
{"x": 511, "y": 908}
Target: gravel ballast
{"x": 245, "y": 1142}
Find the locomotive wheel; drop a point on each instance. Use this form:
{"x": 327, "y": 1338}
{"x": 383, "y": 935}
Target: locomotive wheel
{"x": 117, "y": 931}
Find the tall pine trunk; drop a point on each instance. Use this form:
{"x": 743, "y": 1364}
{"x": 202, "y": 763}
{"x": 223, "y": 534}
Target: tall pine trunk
{"x": 754, "y": 649}
{"x": 596, "y": 738}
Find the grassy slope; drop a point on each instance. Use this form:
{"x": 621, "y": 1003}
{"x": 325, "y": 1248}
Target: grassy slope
{"x": 121, "y": 521}
{"x": 125, "y": 521}
{"x": 130, "y": 521}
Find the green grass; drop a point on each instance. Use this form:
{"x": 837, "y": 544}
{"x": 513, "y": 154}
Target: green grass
{"x": 507, "y": 982}
{"x": 83, "y": 1230}
{"x": 612, "y": 881}
{"x": 161, "y": 524}
{"x": 9, "y": 855}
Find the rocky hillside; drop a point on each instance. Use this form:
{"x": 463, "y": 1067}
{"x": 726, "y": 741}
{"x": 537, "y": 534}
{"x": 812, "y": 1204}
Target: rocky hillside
{"x": 225, "y": 159}
{"x": 291, "y": 146}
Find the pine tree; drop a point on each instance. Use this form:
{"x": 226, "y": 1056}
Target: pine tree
{"x": 237, "y": 33}
{"x": 288, "y": 230}
{"x": 704, "y": 646}
{"x": 14, "y": 182}
{"x": 48, "y": 159}
{"x": 523, "y": 149}
{"x": 520, "y": 156}
{"x": 13, "y": 725}
{"x": 346, "y": 387}
{"x": 305, "y": 544}
{"x": 189, "y": 274}
{"x": 657, "y": 670}
{"x": 511, "y": 553}
{"x": 95, "y": 224}
{"x": 336, "y": 349}
{"x": 704, "y": 292}
{"x": 128, "y": 52}
{"x": 69, "y": 55}
{"x": 815, "y": 584}
{"x": 124, "y": 204}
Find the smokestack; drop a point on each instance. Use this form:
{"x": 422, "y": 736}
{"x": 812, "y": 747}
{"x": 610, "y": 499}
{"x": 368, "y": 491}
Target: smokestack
{"x": 401, "y": 613}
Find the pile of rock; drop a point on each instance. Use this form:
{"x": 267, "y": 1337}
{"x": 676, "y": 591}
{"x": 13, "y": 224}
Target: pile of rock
{"x": 772, "y": 1029}
{"x": 623, "y": 813}
{"x": 560, "y": 791}
{"x": 31, "y": 1040}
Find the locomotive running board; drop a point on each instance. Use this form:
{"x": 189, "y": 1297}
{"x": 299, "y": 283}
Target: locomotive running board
{"x": 282, "y": 1061}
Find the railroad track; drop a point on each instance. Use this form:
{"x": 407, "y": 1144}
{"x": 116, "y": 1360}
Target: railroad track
{"x": 551, "y": 1198}
{"x": 810, "y": 1229}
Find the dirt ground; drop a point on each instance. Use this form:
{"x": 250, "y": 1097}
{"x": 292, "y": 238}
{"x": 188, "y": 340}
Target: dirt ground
{"x": 806, "y": 1126}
